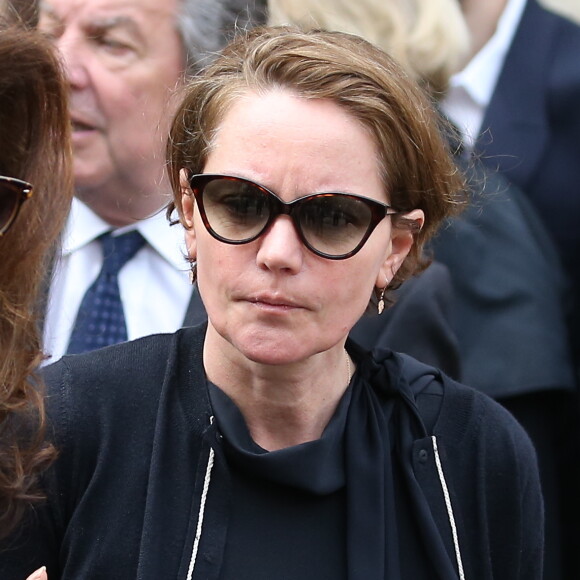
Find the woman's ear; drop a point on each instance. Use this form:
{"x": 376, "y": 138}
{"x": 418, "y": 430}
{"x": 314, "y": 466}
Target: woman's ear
{"x": 187, "y": 208}
{"x": 402, "y": 240}
{"x": 187, "y": 199}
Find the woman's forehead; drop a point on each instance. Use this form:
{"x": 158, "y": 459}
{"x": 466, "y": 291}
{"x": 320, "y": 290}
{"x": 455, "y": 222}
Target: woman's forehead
{"x": 296, "y": 146}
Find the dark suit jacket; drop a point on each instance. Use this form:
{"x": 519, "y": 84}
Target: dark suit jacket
{"x": 534, "y": 124}
{"x": 510, "y": 290}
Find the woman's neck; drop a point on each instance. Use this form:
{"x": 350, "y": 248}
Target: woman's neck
{"x": 283, "y": 405}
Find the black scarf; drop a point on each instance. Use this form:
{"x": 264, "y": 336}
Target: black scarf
{"x": 391, "y": 532}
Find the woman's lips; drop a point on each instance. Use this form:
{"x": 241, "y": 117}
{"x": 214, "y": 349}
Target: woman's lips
{"x": 274, "y": 303}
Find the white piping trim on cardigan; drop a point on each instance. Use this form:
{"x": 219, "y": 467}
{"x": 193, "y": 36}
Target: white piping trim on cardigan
{"x": 206, "y": 482}
{"x": 449, "y": 508}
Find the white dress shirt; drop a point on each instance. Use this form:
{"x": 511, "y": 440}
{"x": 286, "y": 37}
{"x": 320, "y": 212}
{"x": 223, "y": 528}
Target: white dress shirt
{"x": 470, "y": 90}
{"x": 154, "y": 284}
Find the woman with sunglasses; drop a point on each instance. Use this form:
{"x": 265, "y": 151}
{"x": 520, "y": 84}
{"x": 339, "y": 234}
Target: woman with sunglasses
{"x": 34, "y": 149}
{"x": 309, "y": 172}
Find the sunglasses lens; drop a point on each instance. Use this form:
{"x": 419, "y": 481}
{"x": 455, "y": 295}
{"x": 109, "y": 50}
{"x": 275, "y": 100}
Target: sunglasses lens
{"x": 236, "y": 210}
{"x": 334, "y": 224}
{"x": 10, "y": 196}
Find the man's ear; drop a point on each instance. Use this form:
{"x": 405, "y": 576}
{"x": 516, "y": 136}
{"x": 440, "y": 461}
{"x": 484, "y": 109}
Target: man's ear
{"x": 402, "y": 240}
{"x": 187, "y": 209}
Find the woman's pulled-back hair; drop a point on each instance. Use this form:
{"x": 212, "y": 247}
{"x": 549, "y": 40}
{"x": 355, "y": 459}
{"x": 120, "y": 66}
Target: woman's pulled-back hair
{"x": 416, "y": 168}
{"x": 35, "y": 147}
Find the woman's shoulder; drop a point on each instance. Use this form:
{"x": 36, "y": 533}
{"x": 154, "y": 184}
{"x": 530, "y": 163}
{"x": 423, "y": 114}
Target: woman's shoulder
{"x": 112, "y": 367}
{"x": 126, "y": 362}
{"x": 104, "y": 405}
{"x": 119, "y": 384}
{"x": 455, "y": 412}
{"x": 469, "y": 415}
{"x": 484, "y": 458}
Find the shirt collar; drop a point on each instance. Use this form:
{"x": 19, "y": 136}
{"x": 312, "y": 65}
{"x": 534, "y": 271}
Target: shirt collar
{"x": 481, "y": 74}
{"x": 84, "y": 225}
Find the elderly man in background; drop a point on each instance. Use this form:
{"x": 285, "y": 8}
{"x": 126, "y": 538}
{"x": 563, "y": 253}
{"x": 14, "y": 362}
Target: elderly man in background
{"x": 122, "y": 274}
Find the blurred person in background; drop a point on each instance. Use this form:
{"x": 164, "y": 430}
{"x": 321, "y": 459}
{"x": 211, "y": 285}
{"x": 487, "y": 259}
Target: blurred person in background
{"x": 515, "y": 102}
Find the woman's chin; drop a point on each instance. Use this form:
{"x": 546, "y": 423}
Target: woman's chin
{"x": 279, "y": 353}
{"x": 277, "y": 345}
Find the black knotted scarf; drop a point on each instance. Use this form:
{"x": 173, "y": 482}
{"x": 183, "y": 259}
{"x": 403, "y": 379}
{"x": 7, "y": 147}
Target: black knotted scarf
{"x": 366, "y": 447}
{"x": 382, "y": 425}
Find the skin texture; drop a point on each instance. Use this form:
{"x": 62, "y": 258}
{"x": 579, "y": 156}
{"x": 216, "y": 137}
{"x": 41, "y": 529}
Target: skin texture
{"x": 481, "y": 18}
{"x": 123, "y": 60}
{"x": 39, "y": 574}
{"x": 278, "y": 314}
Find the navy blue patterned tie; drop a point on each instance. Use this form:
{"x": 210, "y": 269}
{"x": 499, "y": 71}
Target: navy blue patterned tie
{"x": 100, "y": 320}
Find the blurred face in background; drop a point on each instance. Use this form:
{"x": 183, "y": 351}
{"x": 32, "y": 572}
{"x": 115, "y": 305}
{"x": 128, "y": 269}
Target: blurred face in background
{"x": 123, "y": 59}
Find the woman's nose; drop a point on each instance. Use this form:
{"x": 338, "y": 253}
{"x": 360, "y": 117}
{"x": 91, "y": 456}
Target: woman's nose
{"x": 280, "y": 247}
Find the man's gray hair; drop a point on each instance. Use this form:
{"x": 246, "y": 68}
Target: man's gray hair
{"x": 205, "y": 26}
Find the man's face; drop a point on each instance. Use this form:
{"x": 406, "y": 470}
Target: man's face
{"x": 123, "y": 58}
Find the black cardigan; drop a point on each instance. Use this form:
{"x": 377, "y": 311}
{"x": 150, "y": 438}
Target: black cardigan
{"x": 132, "y": 423}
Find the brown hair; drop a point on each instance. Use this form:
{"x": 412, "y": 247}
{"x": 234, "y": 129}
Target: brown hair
{"x": 24, "y": 12}
{"x": 34, "y": 146}
{"x": 417, "y": 170}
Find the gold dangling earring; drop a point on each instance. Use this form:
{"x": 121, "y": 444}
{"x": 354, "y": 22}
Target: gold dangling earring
{"x": 192, "y": 275}
{"x": 381, "y": 304}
